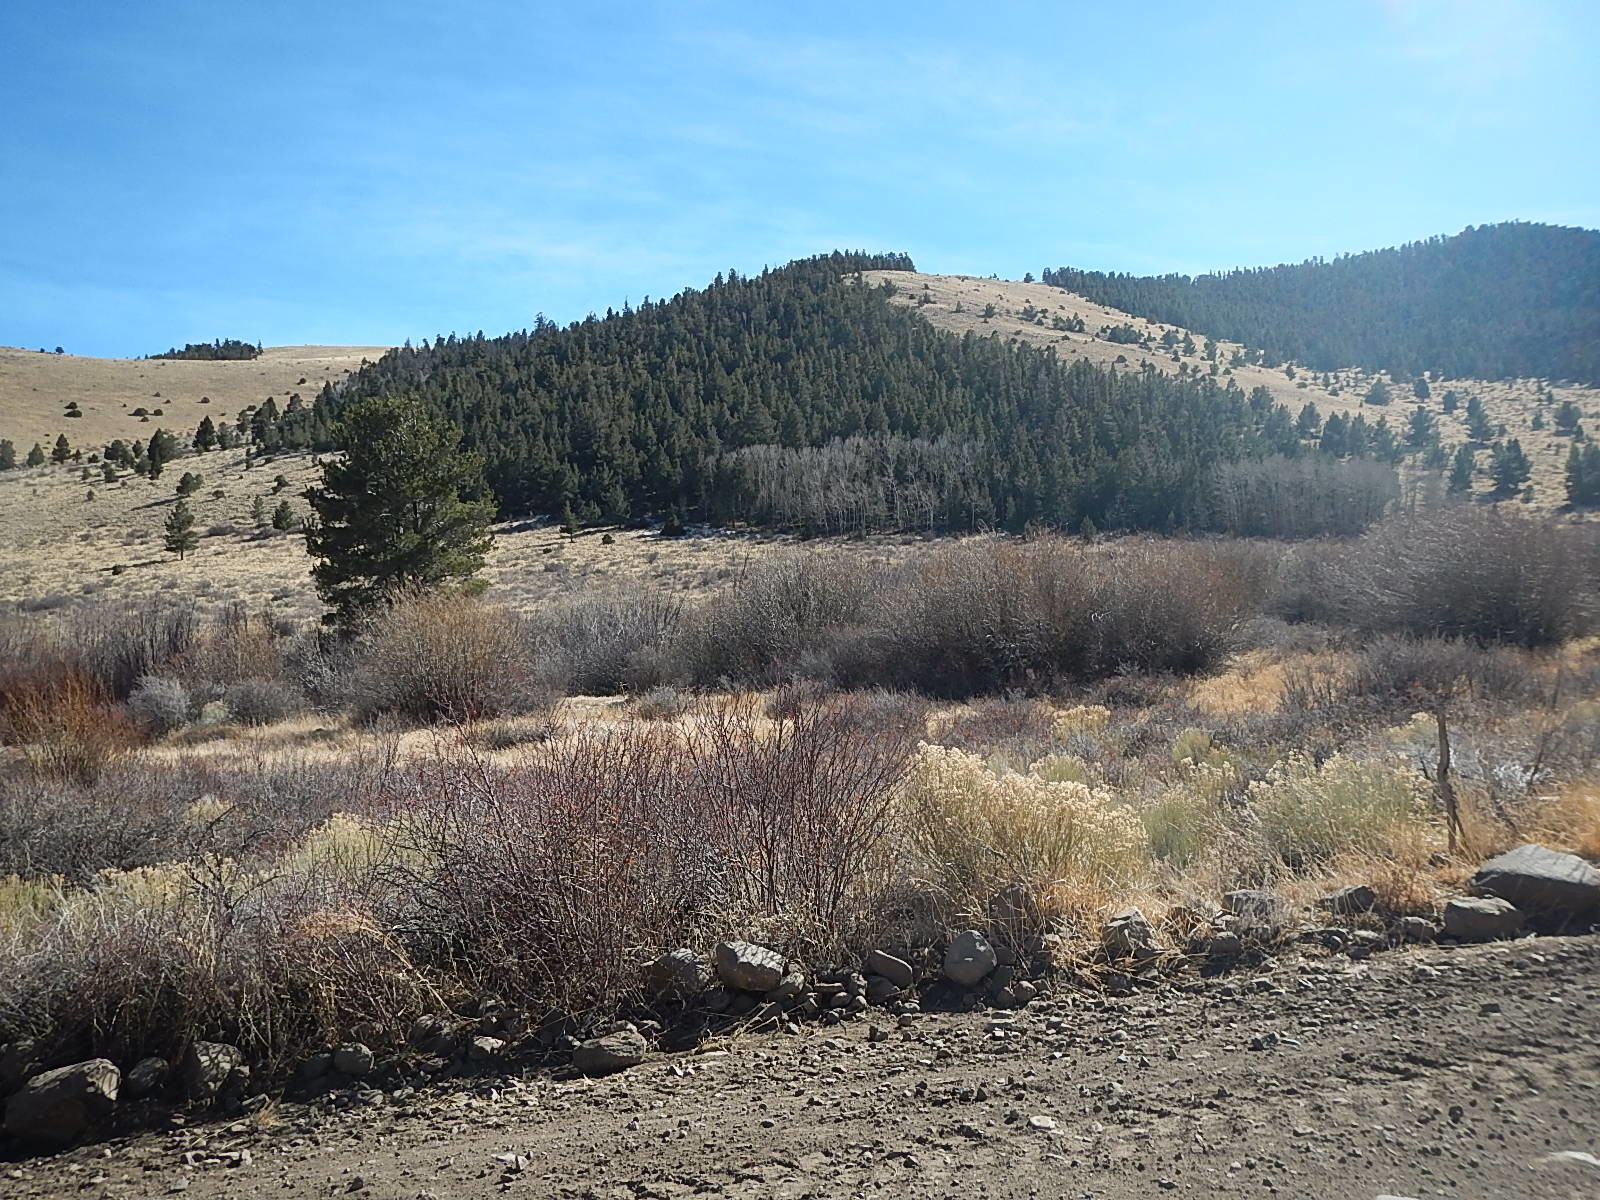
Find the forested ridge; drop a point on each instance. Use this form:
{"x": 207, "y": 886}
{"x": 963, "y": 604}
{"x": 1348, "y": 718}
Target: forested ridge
{"x": 1515, "y": 300}
{"x": 701, "y": 405}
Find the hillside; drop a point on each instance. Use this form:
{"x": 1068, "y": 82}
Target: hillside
{"x": 1515, "y": 300}
{"x": 36, "y": 388}
{"x": 1027, "y": 313}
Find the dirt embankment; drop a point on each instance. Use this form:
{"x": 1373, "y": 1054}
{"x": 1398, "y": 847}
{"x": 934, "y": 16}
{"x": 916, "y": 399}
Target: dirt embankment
{"x": 1467, "y": 1072}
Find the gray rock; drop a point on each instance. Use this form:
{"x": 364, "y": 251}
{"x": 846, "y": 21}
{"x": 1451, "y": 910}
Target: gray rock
{"x": 58, "y": 1106}
{"x": 880, "y": 990}
{"x": 209, "y": 1068}
{"x": 1481, "y": 918}
{"x": 19, "y": 1062}
{"x": 1225, "y": 944}
{"x": 678, "y": 973}
{"x": 613, "y": 1052}
{"x": 1013, "y": 905}
{"x": 144, "y": 1077}
{"x": 896, "y": 970}
{"x": 318, "y": 1065}
{"x": 354, "y": 1059}
{"x": 969, "y": 958}
{"x": 483, "y": 1048}
{"x": 748, "y": 967}
{"x": 1257, "y": 913}
{"x": 1540, "y": 880}
{"x": 1347, "y": 901}
{"x": 1418, "y": 929}
{"x": 1128, "y": 935}
{"x": 790, "y": 986}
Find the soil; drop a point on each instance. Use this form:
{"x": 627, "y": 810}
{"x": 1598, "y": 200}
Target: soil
{"x": 1470, "y": 1072}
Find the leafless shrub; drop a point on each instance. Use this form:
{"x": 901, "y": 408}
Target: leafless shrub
{"x": 117, "y": 647}
{"x": 260, "y": 701}
{"x": 602, "y": 644}
{"x": 447, "y": 658}
{"x": 160, "y": 705}
{"x": 62, "y": 721}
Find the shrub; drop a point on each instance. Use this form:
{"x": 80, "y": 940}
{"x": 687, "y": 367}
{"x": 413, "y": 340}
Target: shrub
{"x": 260, "y": 701}
{"x": 1471, "y": 571}
{"x": 978, "y": 830}
{"x": 1309, "y": 814}
{"x": 63, "y": 722}
{"x": 117, "y": 647}
{"x": 602, "y": 644}
{"x": 445, "y": 658}
{"x": 663, "y": 704}
{"x": 160, "y": 705}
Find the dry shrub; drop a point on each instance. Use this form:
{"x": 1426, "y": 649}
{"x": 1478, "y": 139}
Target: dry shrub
{"x": 977, "y": 830}
{"x": 1470, "y": 571}
{"x": 64, "y": 723}
{"x": 1311, "y": 814}
{"x": 118, "y": 647}
{"x": 445, "y": 658}
{"x": 598, "y": 645}
{"x": 1571, "y": 818}
{"x": 239, "y": 646}
{"x": 556, "y": 879}
{"x": 663, "y": 704}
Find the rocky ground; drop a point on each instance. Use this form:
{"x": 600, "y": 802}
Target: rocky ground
{"x": 1423, "y": 1071}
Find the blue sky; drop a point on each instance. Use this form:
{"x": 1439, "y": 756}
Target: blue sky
{"x": 354, "y": 172}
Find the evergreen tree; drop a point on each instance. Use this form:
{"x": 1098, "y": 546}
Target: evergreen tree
{"x": 391, "y": 516}
{"x": 8, "y": 454}
{"x": 180, "y": 535}
{"x": 163, "y": 448}
{"x": 62, "y": 451}
{"x": 1420, "y": 389}
{"x": 1378, "y": 393}
{"x": 108, "y": 471}
{"x": 1421, "y": 432}
{"x": 36, "y": 456}
{"x": 1583, "y": 476}
{"x": 1510, "y": 468}
{"x": 189, "y": 484}
{"x": 283, "y": 517}
{"x": 1451, "y": 401}
{"x": 258, "y": 512}
{"x": 205, "y": 435}
{"x": 1567, "y": 417}
{"x": 1461, "y": 470}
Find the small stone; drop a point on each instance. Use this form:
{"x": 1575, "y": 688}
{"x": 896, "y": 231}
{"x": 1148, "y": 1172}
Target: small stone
{"x": 613, "y": 1052}
{"x": 969, "y": 958}
{"x": 1347, "y": 901}
{"x": 484, "y": 1048}
{"x": 880, "y": 989}
{"x": 896, "y": 970}
{"x": 1418, "y": 929}
{"x": 144, "y": 1077}
{"x": 748, "y": 967}
{"x": 317, "y": 1066}
{"x": 209, "y": 1068}
{"x": 1225, "y": 944}
{"x": 354, "y": 1059}
{"x": 1481, "y": 919}
{"x": 1128, "y": 935}
{"x": 1042, "y": 1123}
{"x": 678, "y": 973}
{"x": 877, "y": 1033}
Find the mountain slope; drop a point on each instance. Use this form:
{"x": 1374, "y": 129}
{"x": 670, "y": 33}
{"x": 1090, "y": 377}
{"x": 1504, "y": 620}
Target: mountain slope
{"x": 1515, "y": 300}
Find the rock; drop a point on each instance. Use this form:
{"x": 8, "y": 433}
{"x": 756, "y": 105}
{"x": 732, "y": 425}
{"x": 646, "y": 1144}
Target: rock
{"x": 144, "y": 1077}
{"x": 790, "y": 986}
{"x": 880, "y": 990}
{"x": 209, "y": 1067}
{"x": 1128, "y": 935}
{"x": 353, "y": 1059}
{"x": 718, "y": 1000}
{"x": 612, "y": 1052}
{"x": 317, "y": 1065}
{"x": 678, "y": 973}
{"x": 969, "y": 958}
{"x": 1540, "y": 880}
{"x": 1417, "y": 929}
{"x": 1347, "y": 901}
{"x": 748, "y": 967}
{"x": 1041, "y": 1122}
{"x": 1258, "y": 914}
{"x": 1481, "y": 919}
{"x": 1225, "y": 944}
{"x": 19, "y": 1062}
{"x": 1018, "y": 995}
{"x": 483, "y": 1048}
{"x": 1013, "y": 905}
{"x": 424, "y": 1029}
{"x": 896, "y": 970}
{"x": 58, "y": 1106}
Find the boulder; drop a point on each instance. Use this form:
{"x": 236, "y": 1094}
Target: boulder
{"x": 209, "y": 1067}
{"x": 144, "y": 1077}
{"x": 1128, "y": 935}
{"x": 791, "y": 985}
{"x": 678, "y": 973}
{"x": 880, "y": 989}
{"x": 58, "y": 1106}
{"x": 611, "y": 1052}
{"x": 1257, "y": 913}
{"x": 1348, "y": 901}
{"x": 19, "y": 1062}
{"x": 896, "y": 970}
{"x": 1481, "y": 918}
{"x": 748, "y": 967}
{"x": 1540, "y": 880}
{"x": 969, "y": 958}
{"x": 1417, "y": 929}
{"x": 353, "y": 1059}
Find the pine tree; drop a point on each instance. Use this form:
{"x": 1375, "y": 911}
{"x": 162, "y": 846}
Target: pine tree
{"x": 108, "y": 471}
{"x": 283, "y": 517}
{"x": 1461, "y": 470}
{"x": 1510, "y": 468}
{"x": 1378, "y": 393}
{"x": 1421, "y": 432}
{"x": 36, "y": 456}
{"x": 1567, "y": 417}
{"x": 390, "y": 517}
{"x": 62, "y": 451}
{"x": 180, "y": 535}
{"x": 1583, "y": 476}
{"x": 205, "y": 435}
{"x": 189, "y": 484}
{"x": 8, "y": 454}
{"x": 1420, "y": 389}
{"x": 258, "y": 512}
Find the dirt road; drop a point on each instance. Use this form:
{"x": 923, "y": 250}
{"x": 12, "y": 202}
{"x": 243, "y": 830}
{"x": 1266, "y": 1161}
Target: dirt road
{"x": 1437, "y": 1072}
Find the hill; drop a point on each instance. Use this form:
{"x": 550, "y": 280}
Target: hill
{"x": 1515, "y": 300}
{"x": 35, "y": 390}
